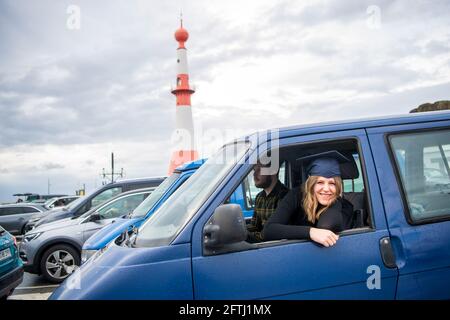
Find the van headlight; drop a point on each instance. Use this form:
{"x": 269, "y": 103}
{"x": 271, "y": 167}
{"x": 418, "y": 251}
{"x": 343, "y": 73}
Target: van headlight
{"x": 31, "y": 236}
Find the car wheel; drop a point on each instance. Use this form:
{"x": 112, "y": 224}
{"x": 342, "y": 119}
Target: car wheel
{"x": 58, "y": 262}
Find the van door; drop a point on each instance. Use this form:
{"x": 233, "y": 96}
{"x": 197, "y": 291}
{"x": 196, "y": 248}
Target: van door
{"x": 352, "y": 269}
{"x": 412, "y": 162}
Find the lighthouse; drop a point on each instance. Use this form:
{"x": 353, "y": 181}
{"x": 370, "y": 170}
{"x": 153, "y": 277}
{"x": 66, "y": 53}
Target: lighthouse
{"x": 183, "y": 136}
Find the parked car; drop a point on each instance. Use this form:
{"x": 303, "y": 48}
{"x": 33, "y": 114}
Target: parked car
{"x": 127, "y": 224}
{"x": 193, "y": 246}
{"x": 59, "y": 201}
{"x": 83, "y": 204}
{"x": 14, "y": 217}
{"x": 11, "y": 270}
{"x": 35, "y": 197}
{"x": 54, "y": 249}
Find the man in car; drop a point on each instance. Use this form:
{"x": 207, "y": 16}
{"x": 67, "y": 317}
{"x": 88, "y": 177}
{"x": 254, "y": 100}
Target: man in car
{"x": 266, "y": 201}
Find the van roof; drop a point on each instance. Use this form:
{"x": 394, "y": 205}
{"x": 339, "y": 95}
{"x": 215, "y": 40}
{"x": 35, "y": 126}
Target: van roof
{"x": 192, "y": 165}
{"x": 137, "y": 180}
{"x": 360, "y": 123}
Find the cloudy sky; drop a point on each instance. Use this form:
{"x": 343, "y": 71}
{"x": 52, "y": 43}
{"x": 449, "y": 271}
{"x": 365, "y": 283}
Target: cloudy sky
{"x": 74, "y": 90}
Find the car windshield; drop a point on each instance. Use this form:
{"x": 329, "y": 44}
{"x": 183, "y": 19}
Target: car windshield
{"x": 165, "y": 224}
{"x": 154, "y": 197}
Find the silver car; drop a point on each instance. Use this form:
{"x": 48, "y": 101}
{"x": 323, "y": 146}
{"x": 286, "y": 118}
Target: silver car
{"x": 14, "y": 217}
{"x": 59, "y": 201}
{"x": 54, "y": 249}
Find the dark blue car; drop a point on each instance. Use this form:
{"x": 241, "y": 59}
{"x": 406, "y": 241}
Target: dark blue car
{"x": 11, "y": 270}
{"x": 194, "y": 246}
{"x": 97, "y": 197}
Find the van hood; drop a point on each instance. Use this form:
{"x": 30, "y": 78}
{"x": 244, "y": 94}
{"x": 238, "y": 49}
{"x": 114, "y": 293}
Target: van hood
{"x": 117, "y": 273}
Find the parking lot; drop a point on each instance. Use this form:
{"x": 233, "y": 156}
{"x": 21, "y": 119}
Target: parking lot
{"x": 33, "y": 287}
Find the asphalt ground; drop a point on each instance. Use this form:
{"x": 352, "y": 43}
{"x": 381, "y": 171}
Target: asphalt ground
{"x": 33, "y": 287}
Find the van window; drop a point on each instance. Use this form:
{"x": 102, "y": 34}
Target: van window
{"x": 422, "y": 160}
{"x": 355, "y": 184}
{"x": 294, "y": 173}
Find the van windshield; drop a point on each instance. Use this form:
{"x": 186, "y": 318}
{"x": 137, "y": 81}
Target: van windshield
{"x": 165, "y": 224}
{"x": 154, "y": 197}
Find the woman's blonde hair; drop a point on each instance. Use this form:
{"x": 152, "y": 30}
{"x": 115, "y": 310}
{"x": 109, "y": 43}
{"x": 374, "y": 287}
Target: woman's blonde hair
{"x": 310, "y": 202}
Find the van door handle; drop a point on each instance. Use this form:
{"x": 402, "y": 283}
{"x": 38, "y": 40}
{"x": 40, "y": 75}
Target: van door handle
{"x": 387, "y": 253}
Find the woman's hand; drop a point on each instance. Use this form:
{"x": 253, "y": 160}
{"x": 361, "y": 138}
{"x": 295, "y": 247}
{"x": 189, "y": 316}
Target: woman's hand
{"x": 325, "y": 237}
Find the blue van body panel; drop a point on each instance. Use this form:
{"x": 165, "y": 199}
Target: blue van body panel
{"x": 288, "y": 271}
{"x": 422, "y": 251}
{"x": 291, "y": 269}
{"x": 138, "y": 274}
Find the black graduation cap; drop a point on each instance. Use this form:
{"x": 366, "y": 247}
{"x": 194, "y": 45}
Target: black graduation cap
{"x": 324, "y": 164}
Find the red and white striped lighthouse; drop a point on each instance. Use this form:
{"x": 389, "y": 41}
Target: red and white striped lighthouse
{"x": 184, "y": 134}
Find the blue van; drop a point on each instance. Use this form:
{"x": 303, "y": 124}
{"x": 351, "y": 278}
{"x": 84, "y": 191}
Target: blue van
{"x": 100, "y": 239}
{"x": 11, "y": 267}
{"x": 194, "y": 246}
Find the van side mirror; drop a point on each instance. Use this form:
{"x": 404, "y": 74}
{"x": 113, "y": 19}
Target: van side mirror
{"x": 225, "y": 231}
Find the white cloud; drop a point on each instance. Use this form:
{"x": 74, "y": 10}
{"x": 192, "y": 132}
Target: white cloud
{"x": 53, "y": 74}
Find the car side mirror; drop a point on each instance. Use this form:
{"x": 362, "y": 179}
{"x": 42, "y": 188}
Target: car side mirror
{"x": 95, "y": 217}
{"x": 226, "y": 230}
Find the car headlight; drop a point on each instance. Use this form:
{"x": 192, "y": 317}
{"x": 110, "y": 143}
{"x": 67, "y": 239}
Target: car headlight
{"x": 30, "y": 237}
{"x": 87, "y": 254}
